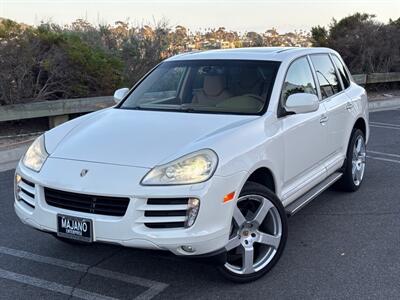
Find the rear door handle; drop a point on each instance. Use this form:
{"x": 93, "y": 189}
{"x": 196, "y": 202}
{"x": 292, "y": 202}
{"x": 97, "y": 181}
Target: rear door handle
{"x": 349, "y": 105}
{"x": 323, "y": 119}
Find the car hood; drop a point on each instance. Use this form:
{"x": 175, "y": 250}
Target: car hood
{"x": 138, "y": 138}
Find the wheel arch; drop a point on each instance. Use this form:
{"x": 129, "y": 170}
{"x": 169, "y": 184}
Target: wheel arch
{"x": 362, "y": 125}
{"x": 265, "y": 176}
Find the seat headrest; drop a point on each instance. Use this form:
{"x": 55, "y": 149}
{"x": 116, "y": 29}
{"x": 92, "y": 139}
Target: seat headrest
{"x": 249, "y": 78}
{"x": 213, "y": 85}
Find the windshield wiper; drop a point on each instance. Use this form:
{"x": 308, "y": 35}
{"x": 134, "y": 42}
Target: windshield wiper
{"x": 163, "y": 108}
{"x": 188, "y": 109}
{"x": 158, "y": 108}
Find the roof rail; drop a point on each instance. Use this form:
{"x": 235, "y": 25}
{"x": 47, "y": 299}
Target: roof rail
{"x": 288, "y": 49}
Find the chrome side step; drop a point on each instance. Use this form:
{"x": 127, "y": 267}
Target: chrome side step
{"x": 299, "y": 203}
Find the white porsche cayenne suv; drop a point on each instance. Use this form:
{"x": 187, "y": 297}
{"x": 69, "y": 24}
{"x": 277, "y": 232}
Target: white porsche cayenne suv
{"x": 207, "y": 155}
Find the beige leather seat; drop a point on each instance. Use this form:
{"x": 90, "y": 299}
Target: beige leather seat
{"x": 250, "y": 82}
{"x": 213, "y": 91}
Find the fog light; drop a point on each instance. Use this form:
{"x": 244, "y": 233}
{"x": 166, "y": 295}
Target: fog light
{"x": 17, "y": 189}
{"x": 193, "y": 210}
{"x": 188, "y": 249}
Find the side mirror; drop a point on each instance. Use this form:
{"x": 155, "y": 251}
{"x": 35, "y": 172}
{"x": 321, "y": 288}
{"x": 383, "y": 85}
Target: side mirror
{"x": 301, "y": 103}
{"x": 120, "y": 94}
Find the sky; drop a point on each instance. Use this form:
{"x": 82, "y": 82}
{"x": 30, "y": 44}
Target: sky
{"x": 238, "y": 15}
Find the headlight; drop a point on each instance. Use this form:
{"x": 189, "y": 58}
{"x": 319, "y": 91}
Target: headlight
{"x": 36, "y": 155}
{"x": 195, "y": 167}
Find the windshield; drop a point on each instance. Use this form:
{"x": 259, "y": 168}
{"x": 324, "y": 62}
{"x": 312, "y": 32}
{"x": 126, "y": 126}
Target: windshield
{"x": 217, "y": 86}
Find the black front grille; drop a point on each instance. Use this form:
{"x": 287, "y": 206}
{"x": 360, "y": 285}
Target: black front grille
{"x": 31, "y": 184}
{"x": 165, "y": 213}
{"x": 167, "y": 203}
{"x": 27, "y": 195}
{"x": 109, "y": 206}
{"x": 166, "y": 225}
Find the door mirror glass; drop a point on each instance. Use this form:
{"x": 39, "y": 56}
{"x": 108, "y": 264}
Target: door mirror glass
{"x": 301, "y": 103}
{"x": 120, "y": 94}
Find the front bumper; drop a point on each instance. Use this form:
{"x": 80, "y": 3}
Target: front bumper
{"x": 208, "y": 234}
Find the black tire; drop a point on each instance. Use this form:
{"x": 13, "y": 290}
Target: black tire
{"x": 346, "y": 183}
{"x": 252, "y": 188}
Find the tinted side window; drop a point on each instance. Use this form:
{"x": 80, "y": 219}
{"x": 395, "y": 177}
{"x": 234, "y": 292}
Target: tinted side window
{"x": 326, "y": 74}
{"x": 342, "y": 72}
{"x": 299, "y": 79}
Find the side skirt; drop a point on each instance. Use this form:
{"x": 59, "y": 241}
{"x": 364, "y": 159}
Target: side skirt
{"x": 301, "y": 202}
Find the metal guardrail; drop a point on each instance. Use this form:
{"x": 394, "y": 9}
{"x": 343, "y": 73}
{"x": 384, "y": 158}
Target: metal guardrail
{"x": 53, "y": 108}
{"x": 365, "y": 79}
{"x": 58, "y": 110}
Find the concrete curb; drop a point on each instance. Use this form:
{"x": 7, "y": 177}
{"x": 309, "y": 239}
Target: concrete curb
{"x": 10, "y": 157}
{"x": 16, "y": 145}
{"x": 387, "y": 104}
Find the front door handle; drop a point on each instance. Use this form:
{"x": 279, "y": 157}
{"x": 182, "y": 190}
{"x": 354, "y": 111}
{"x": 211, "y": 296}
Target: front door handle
{"x": 323, "y": 119}
{"x": 349, "y": 105}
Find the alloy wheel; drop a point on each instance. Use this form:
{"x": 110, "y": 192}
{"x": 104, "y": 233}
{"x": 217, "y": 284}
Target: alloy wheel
{"x": 255, "y": 235}
{"x": 358, "y": 160}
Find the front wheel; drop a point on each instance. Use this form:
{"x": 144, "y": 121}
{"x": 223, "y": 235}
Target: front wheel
{"x": 258, "y": 234}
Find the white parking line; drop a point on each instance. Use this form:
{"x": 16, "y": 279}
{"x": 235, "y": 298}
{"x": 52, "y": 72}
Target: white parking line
{"x": 384, "y": 159}
{"x": 383, "y": 153}
{"x": 388, "y": 157}
{"x": 154, "y": 287}
{"x": 51, "y": 286}
{"x": 384, "y": 124}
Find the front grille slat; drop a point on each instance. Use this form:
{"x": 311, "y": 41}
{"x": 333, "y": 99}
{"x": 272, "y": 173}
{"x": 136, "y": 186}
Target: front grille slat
{"x": 77, "y": 202}
{"x": 27, "y": 188}
{"x": 26, "y": 192}
{"x": 27, "y": 199}
{"x": 69, "y": 206}
{"x": 163, "y": 207}
{"x": 114, "y": 203}
{"x": 108, "y": 211}
{"x": 101, "y": 205}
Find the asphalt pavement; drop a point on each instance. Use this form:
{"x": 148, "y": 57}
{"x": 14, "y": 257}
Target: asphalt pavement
{"x": 341, "y": 246}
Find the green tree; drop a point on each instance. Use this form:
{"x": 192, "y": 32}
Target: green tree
{"x": 255, "y": 39}
{"x": 319, "y": 36}
{"x": 394, "y": 22}
{"x": 365, "y": 44}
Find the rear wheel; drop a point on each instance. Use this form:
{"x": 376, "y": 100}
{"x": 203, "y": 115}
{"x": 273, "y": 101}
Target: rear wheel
{"x": 354, "y": 168}
{"x": 258, "y": 234}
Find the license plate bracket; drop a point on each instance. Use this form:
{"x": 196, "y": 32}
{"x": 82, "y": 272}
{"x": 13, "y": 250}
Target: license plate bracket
{"x": 75, "y": 228}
